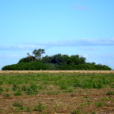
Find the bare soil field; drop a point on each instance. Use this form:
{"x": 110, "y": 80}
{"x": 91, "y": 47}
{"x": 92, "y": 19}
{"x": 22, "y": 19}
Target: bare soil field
{"x": 56, "y": 94}
{"x": 90, "y": 101}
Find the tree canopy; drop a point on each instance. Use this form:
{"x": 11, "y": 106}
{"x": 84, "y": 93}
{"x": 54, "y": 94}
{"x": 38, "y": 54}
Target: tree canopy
{"x": 54, "y": 62}
{"x": 38, "y": 53}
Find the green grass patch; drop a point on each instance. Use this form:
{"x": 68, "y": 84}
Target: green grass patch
{"x": 99, "y": 104}
{"x": 40, "y": 107}
{"x": 110, "y": 93}
{"x": 7, "y": 95}
{"x": 18, "y": 93}
{"x": 18, "y": 105}
{"x": 33, "y": 84}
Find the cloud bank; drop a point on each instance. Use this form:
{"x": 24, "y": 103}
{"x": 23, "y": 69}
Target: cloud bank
{"x": 64, "y": 43}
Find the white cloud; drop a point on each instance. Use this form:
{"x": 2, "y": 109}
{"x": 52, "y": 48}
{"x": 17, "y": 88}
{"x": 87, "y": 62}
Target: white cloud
{"x": 64, "y": 43}
{"x": 10, "y": 56}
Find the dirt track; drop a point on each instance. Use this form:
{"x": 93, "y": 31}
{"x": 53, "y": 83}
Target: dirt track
{"x": 58, "y": 71}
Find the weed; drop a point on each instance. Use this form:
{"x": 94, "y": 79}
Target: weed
{"x": 70, "y": 90}
{"x": 15, "y": 87}
{"x": 93, "y": 112}
{"x": 28, "y": 109}
{"x": 40, "y": 87}
{"x": 76, "y": 112}
{"x": 106, "y": 98}
{"x": 88, "y": 103}
{"x": 98, "y": 85}
{"x": 73, "y": 95}
{"x": 18, "y": 93}
{"x": 1, "y": 110}
{"x": 6, "y": 95}
{"x": 40, "y": 107}
{"x": 7, "y": 89}
{"x": 31, "y": 91}
{"x": 18, "y": 105}
{"x": 24, "y": 88}
{"x": 112, "y": 85}
{"x": 110, "y": 93}
{"x": 63, "y": 86}
{"x": 99, "y": 104}
{"x": 53, "y": 93}
{"x": 1, "y": 90}
{"x": 34, "y": 87}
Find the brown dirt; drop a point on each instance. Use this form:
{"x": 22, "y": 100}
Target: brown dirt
{"x": 82, "y": 101}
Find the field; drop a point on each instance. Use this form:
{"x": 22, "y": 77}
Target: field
{"x": 57, "y": 92}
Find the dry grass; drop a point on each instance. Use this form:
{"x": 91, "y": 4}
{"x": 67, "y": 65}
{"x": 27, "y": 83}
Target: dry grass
{"x": 58, "y": 71}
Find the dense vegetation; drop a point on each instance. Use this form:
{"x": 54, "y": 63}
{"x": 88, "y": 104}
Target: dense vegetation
{"x": 55, "y": 62}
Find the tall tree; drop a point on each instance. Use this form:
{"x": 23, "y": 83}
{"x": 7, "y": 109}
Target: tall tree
{"x": 38, "y": 53}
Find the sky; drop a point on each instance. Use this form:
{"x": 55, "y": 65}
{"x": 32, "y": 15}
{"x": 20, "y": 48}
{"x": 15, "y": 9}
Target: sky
{"x": 83, "y": 27}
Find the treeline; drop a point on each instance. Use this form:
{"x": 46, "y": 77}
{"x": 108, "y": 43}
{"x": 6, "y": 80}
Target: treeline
{"x": 55, "y": 62}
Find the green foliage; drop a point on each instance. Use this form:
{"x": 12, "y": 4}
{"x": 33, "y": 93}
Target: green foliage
{"x": 55, "y": 62}
{"x": 28, "y": 109}
{"x": 32, "y": 90}
{"x": 99, "y": 104}
{"x": 18, "y": 93}
{"x": 93, "y": 112}
{"x": 18, "y": 105}
{"x": 38, "y": 53}
{"x": 63, "y": 86}
{"x": 27, "y": 59}
{"x": 76, "y": 112}
{"x": 1, "y": 90}
{"x": 40, "y": 107}
{"x": 1, "y": 110}
{"x": 15, "y": 87}
{"x": 24, "y": 88}
{"x": 110, "y": 93}
{"x": 6, "y": 95}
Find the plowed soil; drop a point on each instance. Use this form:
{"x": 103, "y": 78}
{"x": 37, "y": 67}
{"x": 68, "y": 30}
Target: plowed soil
{"x": 80, "y": 101}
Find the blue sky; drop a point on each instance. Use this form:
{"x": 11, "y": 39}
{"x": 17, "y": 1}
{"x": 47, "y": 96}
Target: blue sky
{"x": 83, "y": 27}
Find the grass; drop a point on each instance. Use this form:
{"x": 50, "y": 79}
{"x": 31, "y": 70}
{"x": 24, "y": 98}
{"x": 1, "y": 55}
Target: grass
{"x": 99, "y": 104}
{"x": 18, "y": 93}
{"x": 7, "y": 95}
{"x": 110, "y": 93}
{"x": 1, "y": 90}
{"x": 1, "y": 110}
{"x": 18, "y": 105}
{"x": 40, "y": 107}
{"x": 64, "y": 80}
{"x": 76, "y": 112}
{"x": 32, "y": 84}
